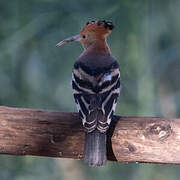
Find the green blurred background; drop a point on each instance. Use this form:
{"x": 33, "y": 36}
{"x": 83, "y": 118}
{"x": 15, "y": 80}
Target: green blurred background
{"x": 36, "y": 74}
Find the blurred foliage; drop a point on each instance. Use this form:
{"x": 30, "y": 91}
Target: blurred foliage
{"x": 34, "y": 73}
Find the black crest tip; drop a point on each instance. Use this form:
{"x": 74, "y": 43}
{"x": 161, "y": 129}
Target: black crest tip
{"x": 107, "y": 24}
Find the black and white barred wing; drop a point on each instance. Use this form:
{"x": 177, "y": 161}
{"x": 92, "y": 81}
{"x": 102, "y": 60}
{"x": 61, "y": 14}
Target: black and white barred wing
{"x": 109, "y": 95}
{"x": 96, "y": 97}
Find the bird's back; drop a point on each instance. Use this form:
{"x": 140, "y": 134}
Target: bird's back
{"x": 96, "y": 81}
{"x": 96, "y": 64}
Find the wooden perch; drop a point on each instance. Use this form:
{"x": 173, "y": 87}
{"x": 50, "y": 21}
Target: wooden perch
{"x": 57, "y": 134}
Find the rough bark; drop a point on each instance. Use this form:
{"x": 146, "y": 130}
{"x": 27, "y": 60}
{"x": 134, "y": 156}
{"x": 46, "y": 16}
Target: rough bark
{"x": 58, "y": 134}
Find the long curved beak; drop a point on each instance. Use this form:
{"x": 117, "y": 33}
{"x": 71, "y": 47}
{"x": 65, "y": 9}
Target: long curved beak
{"x": 70, "y": 39}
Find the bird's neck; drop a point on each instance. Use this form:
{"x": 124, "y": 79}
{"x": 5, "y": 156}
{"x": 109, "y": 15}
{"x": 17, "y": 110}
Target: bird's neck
{"x": 99, "y": 47}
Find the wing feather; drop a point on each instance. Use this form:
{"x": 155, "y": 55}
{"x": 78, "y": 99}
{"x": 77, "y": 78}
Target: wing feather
{"x": 96, "y": 96}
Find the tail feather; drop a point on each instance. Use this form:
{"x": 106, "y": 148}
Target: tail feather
{"x": 95, "y": 148}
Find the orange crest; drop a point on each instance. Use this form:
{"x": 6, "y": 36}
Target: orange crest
{"x": 98, "y": 27}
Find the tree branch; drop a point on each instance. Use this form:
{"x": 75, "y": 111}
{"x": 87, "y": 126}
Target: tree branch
{"x": 57, "y": 134}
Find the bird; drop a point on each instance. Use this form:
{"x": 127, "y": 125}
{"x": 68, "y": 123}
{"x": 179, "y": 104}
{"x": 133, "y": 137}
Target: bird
{"x": 96, "y": 87}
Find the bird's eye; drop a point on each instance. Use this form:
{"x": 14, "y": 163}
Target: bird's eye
{"x": 83, "y": 36}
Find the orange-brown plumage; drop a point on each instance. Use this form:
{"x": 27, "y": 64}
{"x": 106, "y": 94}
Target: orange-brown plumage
{"x": 97, "y": 28}
{"x": 93, "y": 37}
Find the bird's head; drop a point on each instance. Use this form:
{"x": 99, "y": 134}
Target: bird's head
{"x": 93, "y": 32}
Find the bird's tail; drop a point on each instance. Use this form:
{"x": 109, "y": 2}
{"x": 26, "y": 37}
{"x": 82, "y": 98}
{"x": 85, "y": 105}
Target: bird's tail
{"x": 95, "y": 148}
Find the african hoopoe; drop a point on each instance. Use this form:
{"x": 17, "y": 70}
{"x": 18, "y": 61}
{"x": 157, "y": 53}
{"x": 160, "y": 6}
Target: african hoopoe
{"x": 96, "y": 87}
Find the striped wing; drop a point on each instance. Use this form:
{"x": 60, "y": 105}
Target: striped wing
{"x": 96, "y": 96}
